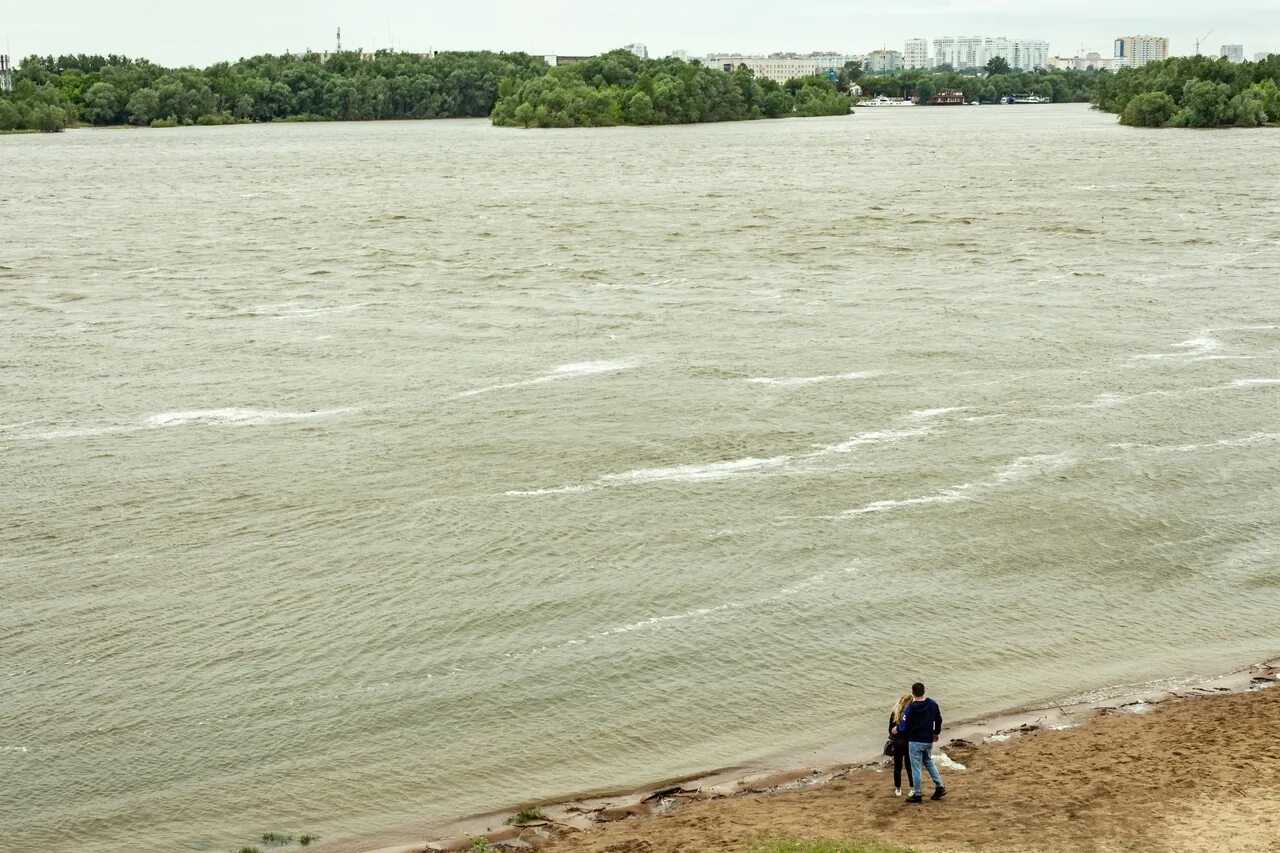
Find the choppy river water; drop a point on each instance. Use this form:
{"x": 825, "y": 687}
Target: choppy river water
{"x": 359, "y": 476}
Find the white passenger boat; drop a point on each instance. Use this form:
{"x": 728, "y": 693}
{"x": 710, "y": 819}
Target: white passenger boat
{"x": 886, "y": 101}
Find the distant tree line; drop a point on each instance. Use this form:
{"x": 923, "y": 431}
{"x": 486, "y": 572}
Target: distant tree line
{"x": 621, "y": 88}
{"x": 1197, "y": 91}
{"x": 51, "y": 93}
{"x": 986, "y": 85}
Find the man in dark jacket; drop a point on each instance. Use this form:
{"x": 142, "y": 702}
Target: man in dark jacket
{"x": 922, "y": 723}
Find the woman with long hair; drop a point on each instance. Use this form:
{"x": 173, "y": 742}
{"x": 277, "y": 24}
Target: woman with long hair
{"x": 900, "y": 746}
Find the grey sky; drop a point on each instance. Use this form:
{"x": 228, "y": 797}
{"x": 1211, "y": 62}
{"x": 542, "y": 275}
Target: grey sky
{"x": 183, "y": 32}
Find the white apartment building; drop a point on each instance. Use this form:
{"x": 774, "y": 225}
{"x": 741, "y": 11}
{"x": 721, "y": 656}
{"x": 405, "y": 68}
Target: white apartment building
{"x": 959, "y": 53}
{"x": 638, "y": 49}
{"x": 682, "y": 55}
{"x": 915, "y": 53}
{"x": 882, "y": 62}
{"x": 1136, "y": 51}
{"x": 974, "y": 52}
{"x": 1232, "y": 52}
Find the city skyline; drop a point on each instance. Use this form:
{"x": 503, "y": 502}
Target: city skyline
{"x": 173, "y": 34}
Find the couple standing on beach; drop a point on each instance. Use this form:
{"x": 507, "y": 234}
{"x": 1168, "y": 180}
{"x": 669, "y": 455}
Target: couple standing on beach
{"x": 914, "y": 726}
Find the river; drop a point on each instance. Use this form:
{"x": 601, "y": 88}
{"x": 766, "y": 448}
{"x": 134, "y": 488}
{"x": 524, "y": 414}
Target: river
{"x": 362, "y": 476}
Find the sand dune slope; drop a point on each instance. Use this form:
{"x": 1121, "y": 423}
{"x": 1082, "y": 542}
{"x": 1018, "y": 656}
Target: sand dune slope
{"x": 1201, "y": 774}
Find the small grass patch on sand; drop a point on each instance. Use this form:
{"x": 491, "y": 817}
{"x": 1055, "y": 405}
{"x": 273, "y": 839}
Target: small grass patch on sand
{"x": 780, "y": 845}
{"x": 306, "y": 839}
{"x": 276, "y": 839}
{"x": 526, "y": 816}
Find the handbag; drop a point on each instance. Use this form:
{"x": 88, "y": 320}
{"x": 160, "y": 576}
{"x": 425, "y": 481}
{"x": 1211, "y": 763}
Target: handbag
{"x": 888, "y": 747}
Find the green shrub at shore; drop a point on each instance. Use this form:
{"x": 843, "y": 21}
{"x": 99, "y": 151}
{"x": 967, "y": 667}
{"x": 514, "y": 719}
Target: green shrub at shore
{"x": 1195, "y": 91}
{"x": 784, "y": 846}
{"x": 621, "y": 88}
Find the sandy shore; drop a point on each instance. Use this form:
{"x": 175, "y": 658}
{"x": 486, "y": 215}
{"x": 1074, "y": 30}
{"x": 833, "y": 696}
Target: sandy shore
{"x": 1175, "y": 766}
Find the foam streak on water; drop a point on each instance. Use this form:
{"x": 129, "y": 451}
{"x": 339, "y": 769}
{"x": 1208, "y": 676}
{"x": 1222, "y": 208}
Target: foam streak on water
{"x": 358, "y": 476}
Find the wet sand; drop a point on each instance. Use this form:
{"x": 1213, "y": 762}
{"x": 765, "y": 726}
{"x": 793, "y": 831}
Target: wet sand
{"x": 1193, "y": 768}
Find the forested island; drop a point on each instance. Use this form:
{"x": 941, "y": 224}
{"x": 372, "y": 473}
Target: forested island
{"x": 515, "y": 89}
{"x": 51, "y": 93}
{"x": 621, "y": 88}
{"x": 1195, "y": 91}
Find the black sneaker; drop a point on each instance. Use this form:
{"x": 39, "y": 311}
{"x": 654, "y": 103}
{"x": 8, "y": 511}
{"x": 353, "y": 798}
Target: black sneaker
{"x": 914, "y": 798}
{"x": 939, "y": 794}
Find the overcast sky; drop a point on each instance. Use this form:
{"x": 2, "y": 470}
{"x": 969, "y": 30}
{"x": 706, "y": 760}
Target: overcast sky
{"x": 179, "y": 32}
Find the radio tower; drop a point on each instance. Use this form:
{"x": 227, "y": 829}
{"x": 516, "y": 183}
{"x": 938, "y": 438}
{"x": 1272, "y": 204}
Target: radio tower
{"x": 339, "y": 40}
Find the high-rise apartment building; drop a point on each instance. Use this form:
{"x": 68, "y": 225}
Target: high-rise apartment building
{"x": 638, "y": 49}
{"x": 975, "y": 52}
{"x": 1232, "y": 52}
{"x": 1136, "y": 51}
{"x": 915, "y": 53}
{"x": 882, "y": 62}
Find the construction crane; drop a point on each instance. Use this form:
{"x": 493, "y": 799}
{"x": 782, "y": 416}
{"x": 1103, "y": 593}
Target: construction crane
{"x": 1202, "y": 38}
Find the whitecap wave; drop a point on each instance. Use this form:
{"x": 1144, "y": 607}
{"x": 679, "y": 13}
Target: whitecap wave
{"x": 1022, "y": 468}
{"x": 1198, "y": 347}
{"x": 537, "y": 493}
{"x": 212, "y": 417}
{"x": 724, "y": 469}
{"x": 1254, "y": 383}
{"x": 234, "y": 417}
{"x": 1242, "y": 441}
{"x": 866, "y": 438}
{"x": 801, "y": 381}
{"x": 930, "y": 414}
{"x": 564, "y": 371}
{"x": 696, "y": 473}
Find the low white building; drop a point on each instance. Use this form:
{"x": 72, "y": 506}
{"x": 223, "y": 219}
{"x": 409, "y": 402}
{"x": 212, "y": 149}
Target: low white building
{"x": 1259, "y": 57}
{"x": 1090, "y": 61}
{"x": 777, "y": 69}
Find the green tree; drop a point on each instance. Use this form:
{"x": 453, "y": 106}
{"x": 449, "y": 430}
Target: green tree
{"x": 103, "y": 104}
{"x": 47, "y": 118}
{"x": 639, "y": 109}
{"x": 997, "y": 65}
{"x": 1248, "y": 108}
{"x": 1204, "y": 104}
{"x": 143, "y": 107}
{"x": 10, "y": 116}
{"x": 1269, "y": 92}
{"x": 1151, "y": 109}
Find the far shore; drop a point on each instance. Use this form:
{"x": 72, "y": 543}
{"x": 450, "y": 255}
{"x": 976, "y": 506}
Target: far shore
{"x": 1163, "y": 757}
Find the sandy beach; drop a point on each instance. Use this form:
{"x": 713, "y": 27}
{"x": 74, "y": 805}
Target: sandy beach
{"x": 1190, "y": 768}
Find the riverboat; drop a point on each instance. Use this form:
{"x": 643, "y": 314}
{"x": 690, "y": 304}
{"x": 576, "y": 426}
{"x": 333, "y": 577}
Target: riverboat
{"x": 1024, "y": 99}
{"x": 886, "y": 101}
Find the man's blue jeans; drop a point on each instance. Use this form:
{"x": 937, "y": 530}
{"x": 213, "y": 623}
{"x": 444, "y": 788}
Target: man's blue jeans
{"x": 922, "y": 753}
